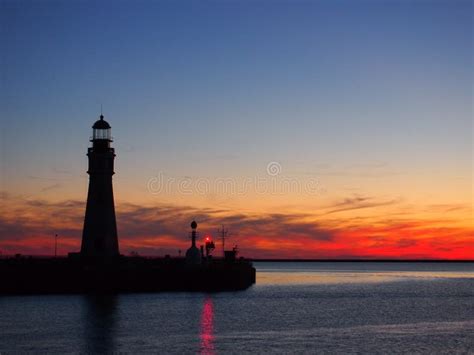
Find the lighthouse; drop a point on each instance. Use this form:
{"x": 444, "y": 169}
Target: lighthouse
{"x": 99, "y": 236}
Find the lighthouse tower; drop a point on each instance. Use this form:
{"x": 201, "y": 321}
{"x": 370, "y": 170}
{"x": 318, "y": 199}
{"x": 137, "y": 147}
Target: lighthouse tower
{"x": 99, "y": 236}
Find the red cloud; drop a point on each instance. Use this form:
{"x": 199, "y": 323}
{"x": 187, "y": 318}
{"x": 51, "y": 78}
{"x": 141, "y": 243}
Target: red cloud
{"x": 28, "y": 227}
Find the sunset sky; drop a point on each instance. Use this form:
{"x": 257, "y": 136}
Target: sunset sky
{"x": 310, "y": 129}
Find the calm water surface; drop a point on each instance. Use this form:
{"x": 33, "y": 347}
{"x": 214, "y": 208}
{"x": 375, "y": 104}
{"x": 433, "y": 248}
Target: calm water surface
{"x": 294, "y": 307}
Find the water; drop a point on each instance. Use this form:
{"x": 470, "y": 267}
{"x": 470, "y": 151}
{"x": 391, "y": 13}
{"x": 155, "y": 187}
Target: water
{"x": 293, "y": 308}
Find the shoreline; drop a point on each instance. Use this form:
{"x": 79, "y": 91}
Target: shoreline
{"x": 363, "y": 260}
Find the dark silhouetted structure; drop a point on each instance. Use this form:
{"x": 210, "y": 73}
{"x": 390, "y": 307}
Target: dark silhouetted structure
{"x": 100, "y": 268}
{"x": 193, "y": 255}
{"x": 99, "y": 236}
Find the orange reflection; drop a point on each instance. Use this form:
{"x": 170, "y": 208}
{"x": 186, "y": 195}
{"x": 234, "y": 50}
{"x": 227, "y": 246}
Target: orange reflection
{"x": 207, "y": 327}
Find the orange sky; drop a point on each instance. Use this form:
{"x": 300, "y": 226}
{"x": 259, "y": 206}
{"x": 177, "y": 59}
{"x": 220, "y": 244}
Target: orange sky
{"x": 354, "y": 227}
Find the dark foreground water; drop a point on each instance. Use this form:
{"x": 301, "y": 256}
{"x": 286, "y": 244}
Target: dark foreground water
{"x": 294, "y": 308}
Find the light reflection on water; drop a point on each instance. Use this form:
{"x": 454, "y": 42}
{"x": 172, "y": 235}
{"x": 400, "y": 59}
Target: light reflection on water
{"x": 307, "y": 273}
{"x": 321, "y": 277}
{"x": 207, "y": 327}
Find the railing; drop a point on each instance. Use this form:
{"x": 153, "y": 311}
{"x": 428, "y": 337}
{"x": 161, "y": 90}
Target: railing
{"x": 110, "y": 138}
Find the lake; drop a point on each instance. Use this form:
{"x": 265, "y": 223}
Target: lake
{"x": 300, "y": 307}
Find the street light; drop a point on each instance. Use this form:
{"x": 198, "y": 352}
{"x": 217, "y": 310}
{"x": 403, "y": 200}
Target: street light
{"x": 55, "y": 245}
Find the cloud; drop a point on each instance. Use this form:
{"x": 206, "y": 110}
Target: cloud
{"x": 158, "y": 227}
{"x": 449, "y": 207}
{"x": 62, "y": 171}
{"x": 358, "y": 202}
{"x": 34, "y": 177}
{"x": 29, "y": 225}
{"x": 51, "y": 187}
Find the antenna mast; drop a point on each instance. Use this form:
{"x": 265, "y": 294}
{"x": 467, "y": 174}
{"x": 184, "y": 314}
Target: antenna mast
{"x": 223, "y": 234}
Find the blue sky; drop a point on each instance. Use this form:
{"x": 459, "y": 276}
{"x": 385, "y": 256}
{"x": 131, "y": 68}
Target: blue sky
{"x": 208, "y": 87}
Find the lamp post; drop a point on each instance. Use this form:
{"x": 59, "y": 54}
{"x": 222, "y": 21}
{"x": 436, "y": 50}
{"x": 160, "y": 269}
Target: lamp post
{"x": 55, "y": 245}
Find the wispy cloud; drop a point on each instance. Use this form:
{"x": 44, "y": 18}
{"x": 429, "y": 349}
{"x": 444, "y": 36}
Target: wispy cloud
{"x": 28, "y": 226}
{"x": 358, "y": 202}
{"x": 51, "y": 187}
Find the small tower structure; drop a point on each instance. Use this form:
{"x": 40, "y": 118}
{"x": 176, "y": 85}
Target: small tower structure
{"x": 193, "y": 255}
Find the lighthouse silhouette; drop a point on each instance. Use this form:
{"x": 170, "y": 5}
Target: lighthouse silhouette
{"x": 99, "y": 236}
